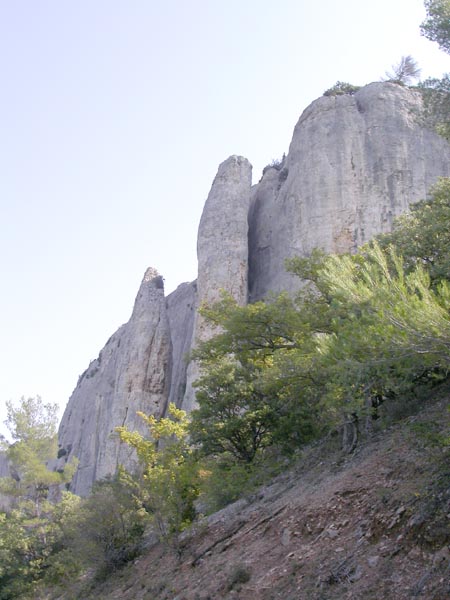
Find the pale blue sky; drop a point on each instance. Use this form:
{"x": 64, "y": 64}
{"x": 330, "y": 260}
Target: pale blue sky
{"x": 114, "y": 116}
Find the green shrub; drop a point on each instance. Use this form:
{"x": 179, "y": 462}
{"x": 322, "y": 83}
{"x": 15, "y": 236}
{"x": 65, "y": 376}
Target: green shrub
{"x": 340, "y": 88}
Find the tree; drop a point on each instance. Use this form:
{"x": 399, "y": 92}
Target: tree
{"x": 170, "y": 480}
{"x": 234, "y": 414}
{"x": 404, "y": 72}
{"x": 32, "y": 425}
{"x": 436, "y": 100}
{"x": 436, "y": 92}
{"x": 422, "y": 236}
{"x": 362, "y": 330}
{"x": 257, "y": 376}
{"x": 436, "y": 26}
{"x": 398, "y": 327}
{"x": 28, "y": 531}
{"x": 104, "y": 530}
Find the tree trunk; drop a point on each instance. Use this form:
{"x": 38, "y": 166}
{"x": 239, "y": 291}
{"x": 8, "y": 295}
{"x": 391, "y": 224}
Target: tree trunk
{"x": 350, "y": 433}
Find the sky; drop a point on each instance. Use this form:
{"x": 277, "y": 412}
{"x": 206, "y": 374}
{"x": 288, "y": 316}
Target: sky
{"x": 114, "y": 116}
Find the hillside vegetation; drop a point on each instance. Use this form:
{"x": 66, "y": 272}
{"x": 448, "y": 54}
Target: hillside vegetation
{"x": 370, "y": 525}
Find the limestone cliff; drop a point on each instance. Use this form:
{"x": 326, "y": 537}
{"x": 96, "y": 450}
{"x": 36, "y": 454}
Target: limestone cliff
{"x": 355, "y": 162}
{"x": 181, "y": 310}
{"x": 222, "y": 249}
{"x": 130, "y": 374}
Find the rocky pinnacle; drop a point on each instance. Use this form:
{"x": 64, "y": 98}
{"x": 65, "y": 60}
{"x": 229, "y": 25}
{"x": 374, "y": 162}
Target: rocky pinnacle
{"x": 130, "y": 374}
{"x": 222, "y": 249}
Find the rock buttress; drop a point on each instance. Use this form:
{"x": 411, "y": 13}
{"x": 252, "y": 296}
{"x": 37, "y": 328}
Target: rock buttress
{"x": 222, "y": 249}
{"x": 355, "y": 163}
{"x": 132, "y": 373}
{"x": 181, "y": 307}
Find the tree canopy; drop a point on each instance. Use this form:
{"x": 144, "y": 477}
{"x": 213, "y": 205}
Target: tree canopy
{"x": 363, "y": 328}
{"x": 32, "y": 425}
{"x": 436, "y": 26}
{"x": 404, "y": 72}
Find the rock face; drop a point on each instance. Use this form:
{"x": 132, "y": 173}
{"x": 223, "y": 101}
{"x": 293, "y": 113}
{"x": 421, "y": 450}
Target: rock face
{"x": 222, "y": 249}
{"x": 131, "y": 374}
{"x": 181, "y": 310}
{"x": 355, "y": 162}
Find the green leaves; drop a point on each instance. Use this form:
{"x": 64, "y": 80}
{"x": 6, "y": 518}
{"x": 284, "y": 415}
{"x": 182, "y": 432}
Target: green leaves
{"x": 436, "y": 102}
{"x": 233, "y": 415}
{"x": 255, "y": 388}
{"x": 169, "y": 473}
{"x": 32, "y": 425}
{"x": 397, "y": 326}
{"x": 362, "y": 329}
{"x": 436, "y": 26}
{"x": 32, "y": 421}
{"x": 30, "y": 532}
{"x": 423, "y": 235}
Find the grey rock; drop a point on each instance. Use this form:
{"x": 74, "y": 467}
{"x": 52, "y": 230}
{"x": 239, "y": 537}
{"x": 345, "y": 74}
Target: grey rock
{"x": 372, "y": 561}
{"x": 356, "y": 575}
{"x": 131, "y": 374}
{"x": 441, "y": 556}
{"x": 355, "y": 163}
{"x": 181, "y": 310}
{"x": 222, "y": 249}
{"x": 286, "y": 537}
{"x": 331, "y": 533}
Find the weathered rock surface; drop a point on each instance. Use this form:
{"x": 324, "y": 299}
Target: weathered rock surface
{"x": 181, "y": 310}
{"x": 355, "y": 163}
{"x": 222, "y": 249}
{"x": 131, "y": 374}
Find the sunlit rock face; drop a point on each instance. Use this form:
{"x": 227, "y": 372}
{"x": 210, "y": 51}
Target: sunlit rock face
{"x": 222, "y": 249}
{"x": 355, "y": 162}
{"x": 131, "y": 374}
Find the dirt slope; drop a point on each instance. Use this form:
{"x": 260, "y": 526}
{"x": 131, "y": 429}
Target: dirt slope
{"x": 374, "y": 525}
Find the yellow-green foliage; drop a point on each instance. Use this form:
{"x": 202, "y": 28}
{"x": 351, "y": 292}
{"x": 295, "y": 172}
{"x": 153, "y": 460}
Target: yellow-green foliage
{"x": 169, "y": 473}
{"x": 31, "y": 531}
{"x": 32, "y": 425}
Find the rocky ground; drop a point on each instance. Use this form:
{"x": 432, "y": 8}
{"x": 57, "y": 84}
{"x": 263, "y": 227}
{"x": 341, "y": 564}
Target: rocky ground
{"x": 372, "y": 525}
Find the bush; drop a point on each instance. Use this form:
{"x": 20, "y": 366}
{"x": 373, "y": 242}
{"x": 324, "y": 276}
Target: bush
{"x": 340, "y": 88}
{"x": 226, "y": 482}
{"x": 275, "y": 163}
{"x": 106, "y": 530}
